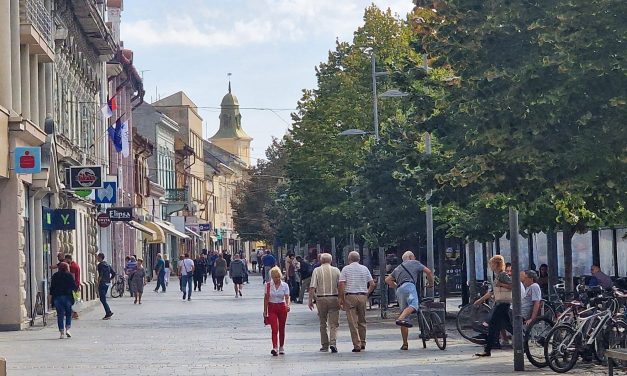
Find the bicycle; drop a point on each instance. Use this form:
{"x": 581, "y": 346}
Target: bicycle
{"x": 471, "y": 318}
{"x": 118, "y": 287}
{"x": 39, "y": 309}
{"x": 431, "y": 326}
{"x": 595, "y": 331}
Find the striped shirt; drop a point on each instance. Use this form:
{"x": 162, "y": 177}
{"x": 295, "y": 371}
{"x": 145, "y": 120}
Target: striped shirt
{"x": 356, "y": 277}
{"x": 325, "y": 279}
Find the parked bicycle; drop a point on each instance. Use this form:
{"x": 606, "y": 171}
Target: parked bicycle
{"x": 118, "y": 286}
{"x": 430, "y": 324}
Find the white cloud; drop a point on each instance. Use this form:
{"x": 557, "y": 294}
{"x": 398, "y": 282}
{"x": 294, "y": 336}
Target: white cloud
{"x": 261, "y": 21}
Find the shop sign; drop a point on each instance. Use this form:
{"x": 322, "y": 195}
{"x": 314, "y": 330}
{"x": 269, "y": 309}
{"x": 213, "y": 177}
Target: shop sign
{"x": 27, "y": 160}
{"x": 204, "y": 227}
{"x": 120, "y": 214}
{"x": 85, "y": 177}
{"x": 58, "y": 219}
{"x": 103, "y": 220}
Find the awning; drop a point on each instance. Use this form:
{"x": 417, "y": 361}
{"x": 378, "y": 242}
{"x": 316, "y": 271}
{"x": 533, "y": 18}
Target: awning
{"x": 169, "y": 227}
{"x": 158, "y": 237}
{"x": 142, "y": 228}
{"x": 192, "y": 232}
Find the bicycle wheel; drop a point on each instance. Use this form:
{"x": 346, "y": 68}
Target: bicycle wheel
{"x": 117, "y": 290}
{"x": 561, "y": 349}
{"x": 614, "y": 336}
{"x": 470, "y": 322}
{"x": 535, "y": 338}
{"x": 438, "y": 330}
{"x": 547, "y": 310}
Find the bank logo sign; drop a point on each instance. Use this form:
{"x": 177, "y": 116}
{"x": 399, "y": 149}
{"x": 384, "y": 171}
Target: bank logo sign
{"x": 108, "y": 193}
{"x": 58, "y": 219}
{"x": 86, "y": 177}
{"x": 120, "y": 214}
{"x": 27, "y": 160}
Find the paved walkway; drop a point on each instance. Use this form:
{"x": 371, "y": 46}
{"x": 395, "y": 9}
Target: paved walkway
{"x": 216, "y": 334}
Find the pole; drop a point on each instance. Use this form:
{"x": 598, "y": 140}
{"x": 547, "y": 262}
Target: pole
{"x": 472, "y": 271}
{"x": 383, "y": 288}
{"x": 519, "y": 357}
{"x": 375, "y": 110}
{"x": 551, "y": 249}
{"x": 429, "y": 214}
{"x": 333, "y": 251}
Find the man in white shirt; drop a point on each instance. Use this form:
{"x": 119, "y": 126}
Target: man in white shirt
{"x": 324, "y": 284}
{"x": 532, "y": 296}
{"x": 356, "y": 284}
{"x": 186, "y": 273}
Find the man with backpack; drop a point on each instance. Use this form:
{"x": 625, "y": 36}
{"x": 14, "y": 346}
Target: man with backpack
{"x": 105, "y": 274}
{"x": 404, "y": 279}
{"x": 305, "y": 272}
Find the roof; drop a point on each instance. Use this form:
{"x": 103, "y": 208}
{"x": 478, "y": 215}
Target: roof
{"x": 230, "y": 119}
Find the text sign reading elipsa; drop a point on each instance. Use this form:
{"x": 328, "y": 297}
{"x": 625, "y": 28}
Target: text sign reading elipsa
{"x": 120, "y": 214}
{"x": 86, "y": 177}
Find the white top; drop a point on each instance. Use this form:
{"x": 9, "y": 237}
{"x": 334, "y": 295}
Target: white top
{"x": 356, "y": 277}
{"x": 187, "y": 266}
{"x": 277, "y": 295}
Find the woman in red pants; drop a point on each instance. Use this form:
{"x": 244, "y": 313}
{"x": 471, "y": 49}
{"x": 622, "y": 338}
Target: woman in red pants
{"x": 276, "y": 305}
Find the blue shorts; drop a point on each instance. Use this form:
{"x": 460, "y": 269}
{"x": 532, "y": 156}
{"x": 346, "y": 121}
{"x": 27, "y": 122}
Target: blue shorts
{"x": 407, "y": 296}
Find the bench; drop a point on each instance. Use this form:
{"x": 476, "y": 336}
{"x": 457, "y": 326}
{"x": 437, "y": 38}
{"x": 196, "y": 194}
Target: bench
{"x": 614, "y": 354}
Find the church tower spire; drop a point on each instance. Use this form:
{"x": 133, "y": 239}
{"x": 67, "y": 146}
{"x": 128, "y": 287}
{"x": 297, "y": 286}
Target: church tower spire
{"x": 231, "y": 136}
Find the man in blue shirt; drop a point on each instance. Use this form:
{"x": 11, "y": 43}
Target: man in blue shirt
{"x": 268, "y": 261}
{"x": 160, "y": 271}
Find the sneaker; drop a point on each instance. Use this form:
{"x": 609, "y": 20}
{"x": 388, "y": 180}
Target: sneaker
{"x": 356, "y": 349}
{"x": 324, "y": 349}
{"x": 274, "y": 352}
{"x": 61, "y": 335}
{"x": 108, "y": 316}
{"x": 67, "y": 333}
{"x": 281, "y": 351}
{"x": 333, "y": 349}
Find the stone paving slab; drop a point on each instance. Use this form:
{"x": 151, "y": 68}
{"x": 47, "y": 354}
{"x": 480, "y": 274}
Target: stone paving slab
{"x": 216, "y": 334}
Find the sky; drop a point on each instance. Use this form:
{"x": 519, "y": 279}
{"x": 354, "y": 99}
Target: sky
{"x": 271, "y": 48}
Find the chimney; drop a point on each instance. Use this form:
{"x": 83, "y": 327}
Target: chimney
{"x": 114, "y": 17}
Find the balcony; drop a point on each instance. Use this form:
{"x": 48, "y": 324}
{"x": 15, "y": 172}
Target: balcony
{"x": 178, "y": 195}
{"x": 36, "y": 28}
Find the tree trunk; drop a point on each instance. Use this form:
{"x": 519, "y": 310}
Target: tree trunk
{"x": 567, "y": 242}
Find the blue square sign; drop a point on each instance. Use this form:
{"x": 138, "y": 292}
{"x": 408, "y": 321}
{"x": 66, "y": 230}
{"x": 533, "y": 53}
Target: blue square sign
{"x": 27, "y": 160}
{"x": 108, "y": 194}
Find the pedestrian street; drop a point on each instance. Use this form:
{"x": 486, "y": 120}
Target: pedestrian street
{"x": 217, "y": 334}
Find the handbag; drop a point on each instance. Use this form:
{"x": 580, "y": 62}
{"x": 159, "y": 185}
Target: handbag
{"x": 502, "y": 295}
{"x": 266, "y": 320}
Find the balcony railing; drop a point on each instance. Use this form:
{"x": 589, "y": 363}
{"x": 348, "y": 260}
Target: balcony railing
{"x": 34, "y": 12}
{"x": 176, "y": 195}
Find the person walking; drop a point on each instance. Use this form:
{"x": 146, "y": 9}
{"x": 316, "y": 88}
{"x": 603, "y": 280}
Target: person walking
{"x": 200, "y": 266}
{"x": 160, "y": 271}
{"x": 404, "y": 278}
{"x": 276, "y": 305}
{"x": 291, "y": 271}
{"x": 131, "y": 267}
{"x": 219, "y": 270}
{"x": 186, "y": 271}
{"x": 268, "y": 261}
{"x": 237, "y": 271}
{"x": 253, "y": 260}
{"x": 502, "y": 293}
{"x": 138, "y": 281}
{"x": 212, "y": 260}
{"x": 304, "y": 269}
{"x": 355, "y": 285}
{"x": 324, "y": 286}
{"x": 75, "y": 270}
{"x": 168, "y": 270}
{"x": 62, "y": 286}
{"x": 178, "y": 271}
{"x": 105, "y": 274}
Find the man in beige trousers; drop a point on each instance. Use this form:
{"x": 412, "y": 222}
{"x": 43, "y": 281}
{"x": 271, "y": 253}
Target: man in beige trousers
{"x": 356, "y": 284}
{"x": 324, "y": 285}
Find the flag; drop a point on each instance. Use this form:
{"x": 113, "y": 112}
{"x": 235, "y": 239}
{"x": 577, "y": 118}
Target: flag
{"x": 115, "y": 134}
{"x": 124, "y": 139}
{"x": 107, "y": 109}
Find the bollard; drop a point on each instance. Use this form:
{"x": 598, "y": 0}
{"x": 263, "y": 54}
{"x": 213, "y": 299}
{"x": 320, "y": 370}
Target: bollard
{"x": 3, "y": 367}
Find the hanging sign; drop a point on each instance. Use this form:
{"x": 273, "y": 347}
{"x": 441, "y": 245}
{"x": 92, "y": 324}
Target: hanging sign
{"x": 85, "y": 177}
{"x": 120, "y": 214}
{"x": 27, "y": 160}
{"x": 103, "y": 220}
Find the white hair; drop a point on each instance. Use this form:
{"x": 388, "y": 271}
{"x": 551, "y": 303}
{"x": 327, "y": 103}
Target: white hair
{"x": 409, "y": 255}
{"x": 326, "y": 258}
{"x": 353, "y": 256}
